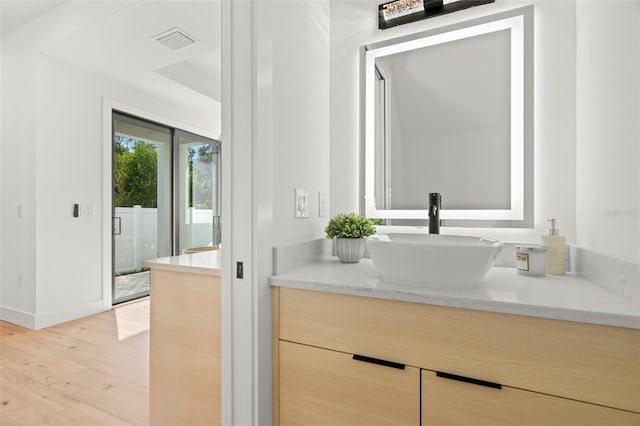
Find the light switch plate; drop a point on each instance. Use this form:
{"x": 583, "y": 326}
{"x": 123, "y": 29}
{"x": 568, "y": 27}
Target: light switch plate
{"x": 302, "y": 203}
{"x": 323, "y": 205}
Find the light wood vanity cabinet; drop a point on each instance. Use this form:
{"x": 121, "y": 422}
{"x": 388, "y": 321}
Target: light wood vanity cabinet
{"x": 185, "y": 340}
{"x": 549, "y": 372}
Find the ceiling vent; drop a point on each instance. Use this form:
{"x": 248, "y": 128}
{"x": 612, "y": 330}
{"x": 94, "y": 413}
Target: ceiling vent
{"x": 174, "y": 39}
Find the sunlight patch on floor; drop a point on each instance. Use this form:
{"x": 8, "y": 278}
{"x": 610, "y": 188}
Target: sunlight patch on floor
{"x": 132, "y": 319}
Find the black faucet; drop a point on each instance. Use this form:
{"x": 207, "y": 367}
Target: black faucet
{"x": 435, "y": 200}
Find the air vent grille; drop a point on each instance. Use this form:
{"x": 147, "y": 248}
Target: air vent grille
{"x": 175, "y": 39}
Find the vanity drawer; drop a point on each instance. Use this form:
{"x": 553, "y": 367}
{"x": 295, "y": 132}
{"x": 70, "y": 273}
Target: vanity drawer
{"x": 591, "y": 363}
{"x": 323, "y": 387}
{"x": 447, "y": 402}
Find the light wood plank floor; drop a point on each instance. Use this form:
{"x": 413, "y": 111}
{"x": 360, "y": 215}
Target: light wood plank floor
{"x": 92, "y": 371}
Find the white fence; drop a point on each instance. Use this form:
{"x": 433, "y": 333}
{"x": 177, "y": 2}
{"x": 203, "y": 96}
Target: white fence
{"x": 137, "y": 240}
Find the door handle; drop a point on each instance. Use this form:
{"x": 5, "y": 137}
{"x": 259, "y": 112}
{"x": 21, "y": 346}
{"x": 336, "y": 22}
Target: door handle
{"x": 468, "y": 380}
{"x": 117, "y": 226}
{"x": 378, "y": 361}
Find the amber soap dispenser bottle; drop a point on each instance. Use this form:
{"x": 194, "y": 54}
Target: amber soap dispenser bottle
{"x": 556, "y": 249}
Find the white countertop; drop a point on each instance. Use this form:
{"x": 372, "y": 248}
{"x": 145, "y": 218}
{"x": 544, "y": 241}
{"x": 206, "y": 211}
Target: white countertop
{"x": 568, "y": 297}
{"x": 206, "y": 262}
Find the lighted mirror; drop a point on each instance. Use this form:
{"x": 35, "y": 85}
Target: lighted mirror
{"x": 451, "y": 111}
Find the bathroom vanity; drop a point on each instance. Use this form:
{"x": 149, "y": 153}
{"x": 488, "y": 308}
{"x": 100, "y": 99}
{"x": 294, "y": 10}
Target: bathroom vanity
{"x": 349, "y": 348}
{"x": 185, "y": 339}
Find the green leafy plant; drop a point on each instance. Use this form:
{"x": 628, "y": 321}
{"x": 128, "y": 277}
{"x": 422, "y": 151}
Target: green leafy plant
{"x": 349, "y": 225}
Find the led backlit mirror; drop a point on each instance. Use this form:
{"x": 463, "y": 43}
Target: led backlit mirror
{"x": 451, "y": 111}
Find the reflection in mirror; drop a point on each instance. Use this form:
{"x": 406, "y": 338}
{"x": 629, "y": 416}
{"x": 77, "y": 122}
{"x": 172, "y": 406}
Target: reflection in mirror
{"x": 458, "y": 115}
{"x": 450, "y": 112}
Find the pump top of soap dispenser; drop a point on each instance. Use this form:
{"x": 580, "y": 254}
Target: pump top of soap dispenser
{"x": 552, "y": 227}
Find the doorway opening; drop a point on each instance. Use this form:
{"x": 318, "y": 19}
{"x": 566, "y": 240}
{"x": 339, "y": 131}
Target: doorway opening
{"x": 166, "y": 198}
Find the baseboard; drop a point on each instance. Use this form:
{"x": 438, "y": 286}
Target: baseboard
{"x": 47, "y": 319}
{"x": 17, "y": 317}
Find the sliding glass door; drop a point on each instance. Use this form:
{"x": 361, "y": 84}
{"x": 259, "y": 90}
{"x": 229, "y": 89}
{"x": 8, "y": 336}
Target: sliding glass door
{"x": 141, "y": 202}
{"x": 165, "y": 198}
{"x": 198, "y": 217}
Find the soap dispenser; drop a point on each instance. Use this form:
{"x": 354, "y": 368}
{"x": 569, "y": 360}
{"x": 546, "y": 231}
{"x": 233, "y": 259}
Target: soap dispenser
{"x": 556, "y": 249}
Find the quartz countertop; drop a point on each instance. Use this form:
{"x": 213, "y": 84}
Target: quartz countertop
{"x": 568, "y": 297}
{"x": 206, "y": 262}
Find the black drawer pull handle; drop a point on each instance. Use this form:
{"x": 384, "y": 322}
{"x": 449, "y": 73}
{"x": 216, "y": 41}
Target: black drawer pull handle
{"x": 468, "y": 380}
{"x": 379, "y": 361}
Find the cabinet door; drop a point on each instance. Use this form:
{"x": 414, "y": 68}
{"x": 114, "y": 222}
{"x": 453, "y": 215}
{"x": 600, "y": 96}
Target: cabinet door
{"x": 323, "y": 387}
{"x": 449, "y": 402}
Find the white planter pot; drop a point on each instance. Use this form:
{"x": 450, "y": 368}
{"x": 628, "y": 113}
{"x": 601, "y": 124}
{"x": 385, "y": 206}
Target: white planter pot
{"x": 349, "y": 250}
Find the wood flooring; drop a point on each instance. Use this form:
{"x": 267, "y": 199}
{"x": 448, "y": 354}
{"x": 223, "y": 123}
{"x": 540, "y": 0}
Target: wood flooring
{"x": 92, "y": 371}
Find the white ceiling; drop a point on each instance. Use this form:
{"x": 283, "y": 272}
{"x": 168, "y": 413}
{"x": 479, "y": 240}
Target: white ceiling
{"x": 115, "y": 40}
{"x": 14, "y": 13}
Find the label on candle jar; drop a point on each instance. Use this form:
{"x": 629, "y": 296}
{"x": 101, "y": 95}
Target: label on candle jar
{"x": 531, "y": 260}
{"x": 522, "y": 261}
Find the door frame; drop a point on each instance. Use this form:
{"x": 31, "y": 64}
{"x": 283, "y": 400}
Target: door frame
{"x": 108, "y": 107}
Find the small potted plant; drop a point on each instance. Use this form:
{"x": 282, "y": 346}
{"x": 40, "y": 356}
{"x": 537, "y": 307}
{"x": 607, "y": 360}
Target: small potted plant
{"x": 349, "y": 231}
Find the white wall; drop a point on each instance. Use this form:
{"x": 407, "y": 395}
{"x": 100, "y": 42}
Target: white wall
{"x": 52, "y": 157}
{"x": 299, "y": 70}
{"x": 18, "y": 186}
{"x": 1, "y": 203}
{"x": 354, "y": 23}
{"x": 291, "y": 146}
{"x": 608, "y": 127}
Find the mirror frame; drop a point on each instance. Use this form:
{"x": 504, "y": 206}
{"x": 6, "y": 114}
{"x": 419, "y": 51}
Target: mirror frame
{"x": 520, "y": 214}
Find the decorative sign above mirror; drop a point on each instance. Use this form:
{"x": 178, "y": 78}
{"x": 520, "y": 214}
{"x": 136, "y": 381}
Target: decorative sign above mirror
{"x": 400, "y": 12}
{"x": 451, "y": 111}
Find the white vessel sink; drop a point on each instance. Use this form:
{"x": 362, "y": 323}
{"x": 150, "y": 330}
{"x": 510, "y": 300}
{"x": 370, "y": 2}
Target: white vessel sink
{"x": 438, "y": 261}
